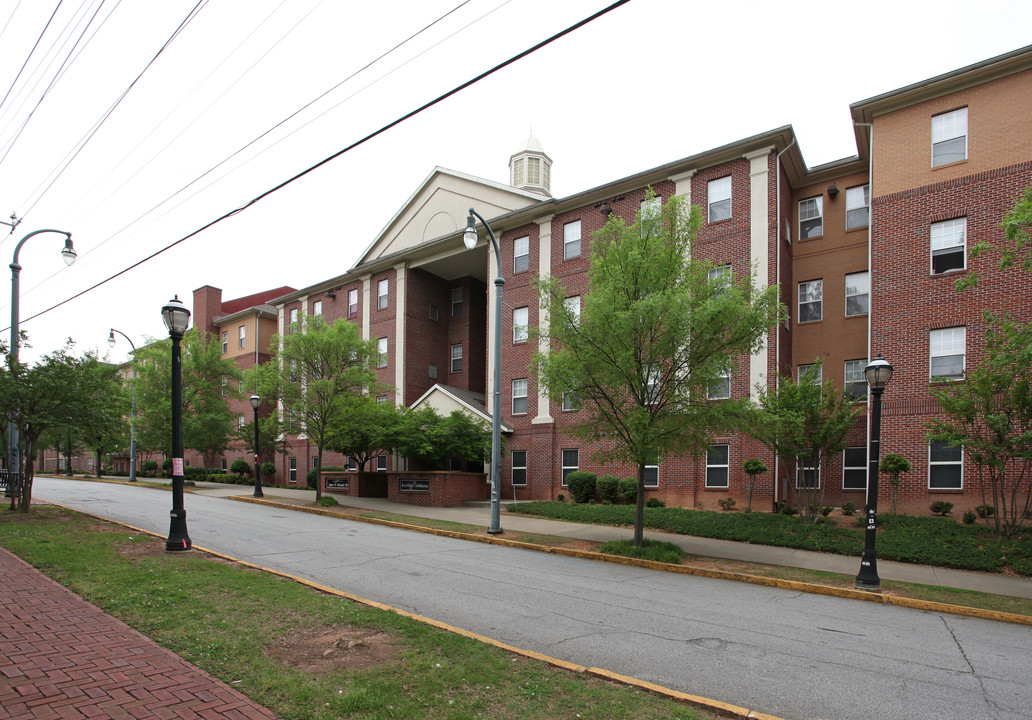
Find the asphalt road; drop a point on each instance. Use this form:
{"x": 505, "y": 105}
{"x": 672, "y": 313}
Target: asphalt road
{"x": 795, "y": 655}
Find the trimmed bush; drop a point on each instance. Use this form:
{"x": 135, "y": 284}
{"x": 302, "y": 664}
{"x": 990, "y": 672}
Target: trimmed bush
{"x": 727, "y": 503}
{"x": 148, "y": 468}
{"x": 941, "y": 507}
{"x": 985, "y": 511}
{"x": 582, "y": 486}
{"x": 848, "y": 508}
{"x": 194, "y": 473}
{"x": 654, "y": 550}
{"x": 560, "y": 497}
{"x": 654, "y": 502}
{"x": 327, "y": 501}
{"x": 627, "y": 489}
{"x": 608, "y": 486}
{"x": 240, "y": 467}
{"x": 969, "y": 518}
{"x": 268, "y": 469}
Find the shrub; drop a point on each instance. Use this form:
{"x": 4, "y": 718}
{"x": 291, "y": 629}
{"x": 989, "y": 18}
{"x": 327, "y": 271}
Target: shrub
{"x": 785, "y": 509}
{"x": 985, "y": 511}
{"x": 582, "y": 486}
{"x": 194, "y": 473}
{"x": 941, "y": 507}
{"x": 268, "y": 469}
{"x": 240, "y": 467}
{"x": 727, "y": 503}
{"x": 654, "y": 502}
{"x": 149, "y": 466}
{"x": 969, "y": 518}
{"x": 608, "y": 486}
{"x": 328, "y": 501}
{"x": 560, "y": 497}
{"x": 848, "y": 508}
{"x": 654, "y": 550}
{"x": 628, "y": 490}
{"x": 166, "y": 465}
{"x": 826, "y": 510}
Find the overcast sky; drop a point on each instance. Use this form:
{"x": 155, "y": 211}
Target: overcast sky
{"x": 648, "y": 83}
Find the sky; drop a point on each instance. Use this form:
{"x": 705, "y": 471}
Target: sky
{"x": 132, "y": 136}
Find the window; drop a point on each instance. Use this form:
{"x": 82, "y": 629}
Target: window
{"x": 949, "y": 137}
{"x": 519, "y": 396}
{"x": 224, "y": 461}
{"x": 381, "y": 352}
{"x": 811, "y": 373}
{"x": 456, "y": 301}
{"x": 855, "y": 380}
{"x": 382, "y": 288}
{"x": 352, "y": 464}
{"x": 945, "y": 466}
{"x": 456, "y": 358}
{"x": 241, "y": 420}
{"x": 292, "y": 321}
{"x": 225, "y": 342}
{"x": 572, "y": 305}
{"x": 719, "y": 199}
{"x": 433, "y": 371}
{"x": 517, "y": 172}
{"x": 293, "y": 470}
{"x": 521, "y": 255}
{"x": 435, "y": 314}
{"x": 811, "y": 218}
{"x": 652, "y": 476}
{"x": 242, "y": 336}
{"x": 317, "y": 307}
{"x": 571, "y": 463}
{"x": 948, "y": 245}
{"x": 719, "y": 277}
{"x": 653, "y": 378}
{"x": 858, "y": 293}
{"x": 571, "y": 240}
{"x": 571, "y": 401}
{"x": 293, "y": 371}
{"x": 381, "y": 463}
{"x": 858, "y": 207}
{"x": 946, "y": 349}
{"x": 651, "y": 216}
{"x": 382, "y": 399}
{"x": 720, "y": 389}
{"x": 717, "y": 466}
{"x": 352, "y": 303}
{"x": 519, "y": 324}
{"x": 808, "y": 475}
{"x": 810, "y": 295}
{"x": 533, "y": 171}
{"x": 854, "y": 468}
{"x": 225, "y": 386}
{"x": 519, "y": 467}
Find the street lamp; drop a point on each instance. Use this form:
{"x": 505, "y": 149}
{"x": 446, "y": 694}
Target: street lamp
{"x": 255, "y": 400}
{"x": 132, "y": 418}
{"x": 469, "y": 239}
{"x": 878, "y": 373}
{"x": 176, "y": 318}
{"x": 68, "y": 253}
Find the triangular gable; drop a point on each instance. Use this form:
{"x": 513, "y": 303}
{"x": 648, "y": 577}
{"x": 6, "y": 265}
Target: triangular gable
{"x": 445, "y": 400}
{"x": 440, "y": 207}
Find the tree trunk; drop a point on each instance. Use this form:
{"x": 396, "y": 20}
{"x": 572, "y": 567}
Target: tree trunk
{"x": 318, "y": 478}
{"x": 639, "y": 510}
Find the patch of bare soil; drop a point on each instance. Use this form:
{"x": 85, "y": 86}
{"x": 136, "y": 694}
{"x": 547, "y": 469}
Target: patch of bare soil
{"x": 325, "y": 649}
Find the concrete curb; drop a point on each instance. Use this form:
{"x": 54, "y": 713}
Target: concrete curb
{"x": 794, "y": 585}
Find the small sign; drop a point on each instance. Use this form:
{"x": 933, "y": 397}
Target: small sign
{"x": 177, "y": 467}
{"x": 338, "y": 482}
{"x": 413, "y": 485}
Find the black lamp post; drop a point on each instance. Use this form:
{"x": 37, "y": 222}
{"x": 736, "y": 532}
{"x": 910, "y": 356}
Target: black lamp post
{"x": 176, "y": 318}
{"x": 469, "y": 239}
{"x": 132, "y": 418}
{"x": 255, "y": 400}
{"x": 878, "y": 373}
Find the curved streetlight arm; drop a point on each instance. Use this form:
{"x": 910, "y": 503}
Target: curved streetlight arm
{"x": 126, "y": 337}
{"x": 494, "y": 242}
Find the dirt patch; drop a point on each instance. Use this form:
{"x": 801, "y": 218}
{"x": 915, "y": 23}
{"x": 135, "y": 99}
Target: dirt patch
{"x": 325, "y": 649}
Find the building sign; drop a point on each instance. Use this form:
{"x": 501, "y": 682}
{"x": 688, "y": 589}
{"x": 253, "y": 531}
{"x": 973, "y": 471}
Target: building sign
{"x": 337, "y": 482}
{"x": 413, "y": 485}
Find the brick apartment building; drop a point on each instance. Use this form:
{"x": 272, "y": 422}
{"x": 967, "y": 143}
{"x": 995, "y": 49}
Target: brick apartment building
{"x": 865, "y": 250}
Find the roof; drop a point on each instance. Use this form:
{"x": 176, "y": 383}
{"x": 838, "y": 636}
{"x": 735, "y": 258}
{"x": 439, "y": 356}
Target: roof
{"x": 475, "y": 402}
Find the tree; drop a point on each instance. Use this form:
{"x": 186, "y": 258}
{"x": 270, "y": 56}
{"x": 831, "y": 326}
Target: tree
{"x": 894, "y": 465}
{"x": 989, "y": 414}
{"x": 426, "y": 437}
{"x": 660, "y": 327}
{"x": 271, "y": 439}
{"x": 752, "y": 467}
{"x": 315, "y": 373}
{"x": 365, "y": 429}
{"x": 806, "y": 423}
{"x": 1017, "y": 241}
{"x": 106, "y": 426}
{"x": 208, "y": 380}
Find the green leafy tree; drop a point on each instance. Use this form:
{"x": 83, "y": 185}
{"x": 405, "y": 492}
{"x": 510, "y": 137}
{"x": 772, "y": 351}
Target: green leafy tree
{"x": 989, "y": 413}
{"x": 894, "y": 465}
{"x": 660, "y": 327}
{"x": 314, "y": 373}
{"x": 1017, "y": 241}
{"x": 365, "y": 429}
{"x": 271, "y": 438}
{"x": 752, "y": 467}
{"x": 806, "y": 423}
{"x": 428, "y": 438}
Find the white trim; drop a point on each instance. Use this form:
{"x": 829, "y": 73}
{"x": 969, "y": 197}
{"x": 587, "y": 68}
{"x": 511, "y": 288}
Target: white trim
{"x": 960, "y": 463}
{"x": 400, "y": 301}
{"x": 544, "y": 224}
{"x": 759, "y": 246}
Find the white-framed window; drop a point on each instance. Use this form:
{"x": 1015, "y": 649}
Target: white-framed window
{"x": 521, "y": 254}
{"x": 854, "y": 379}
{"x": 858, "y": 293}
{"x": 435, "y": 313}
{"x": 225, "y": 341}
{"x": 571, "y": 401}
{"x": 381, "y": 352}
{"x": 533, "y": 171}
{"x": 718, "y": 199}
{"x": 811, "y": 295}
{"x": 456, "y": 301}
{"x": 812, "y": 373}
{"x": 811, "y": 218}
{"x": 317, "y": 308}
{"x": 225, "y": 386}
{"x": 381, "y": 463}
{"x": 432, "y": 371}
{"x": 241, "y": 420}
{"x": 717, "y": 466}
{"x": 858, "y": 207}
{"x": 520, "y": 323}
{"x": 352, "y": 464}
{"x": 519, "y": 396}
{"x": 652, "y": 476}
{"x": 456, "y": 358}
{"x": 571, "y": 462}
{"x": 571, "y": 240}
{"x": 653, "y": 378}
{"x": 949, "y": 245}
{"x": 382, "y": 289}
{"x": 519, "y": 467}
{"x": 949, "y": 137}
{"x": 946, "y": 349}
{"x": 651, "y": 214}
{"x": 573, "y": 305}
{"x": 854, "y": 468}
{"x": 292, "y": 320}
{"x": 945, "y": 466}
{"x": 719, "y": 277}
{"x": 382, "y": 399}
{"x": 241, "y": 336}
{"x": 352, "y": 303}
{"x": 808, "y": 475}
{"x": 224, "y": 463}
{"x": 720, "y": 389}
{"x": 517, "y": 172}
{"x": 293, "y": 470}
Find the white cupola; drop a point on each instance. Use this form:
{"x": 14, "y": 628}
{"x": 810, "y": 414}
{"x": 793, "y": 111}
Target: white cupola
{"x": 530, "y": 168}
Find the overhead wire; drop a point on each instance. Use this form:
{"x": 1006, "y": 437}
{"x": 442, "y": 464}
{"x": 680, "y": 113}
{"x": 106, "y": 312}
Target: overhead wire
{"x": 29, "y": 56}
{"x": 412, "y": 113}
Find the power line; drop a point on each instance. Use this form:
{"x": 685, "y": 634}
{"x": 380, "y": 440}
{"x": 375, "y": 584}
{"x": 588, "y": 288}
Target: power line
{"x": 334, "y": 156}
{"x": 29, "y": 56}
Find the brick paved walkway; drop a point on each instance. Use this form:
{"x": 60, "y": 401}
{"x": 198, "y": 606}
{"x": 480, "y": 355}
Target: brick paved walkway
{"x": 63, "y": 658}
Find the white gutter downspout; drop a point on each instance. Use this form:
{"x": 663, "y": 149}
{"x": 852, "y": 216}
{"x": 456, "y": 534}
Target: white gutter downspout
{"x": 777, "y": 280}
{"x": 870, "y": 253}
